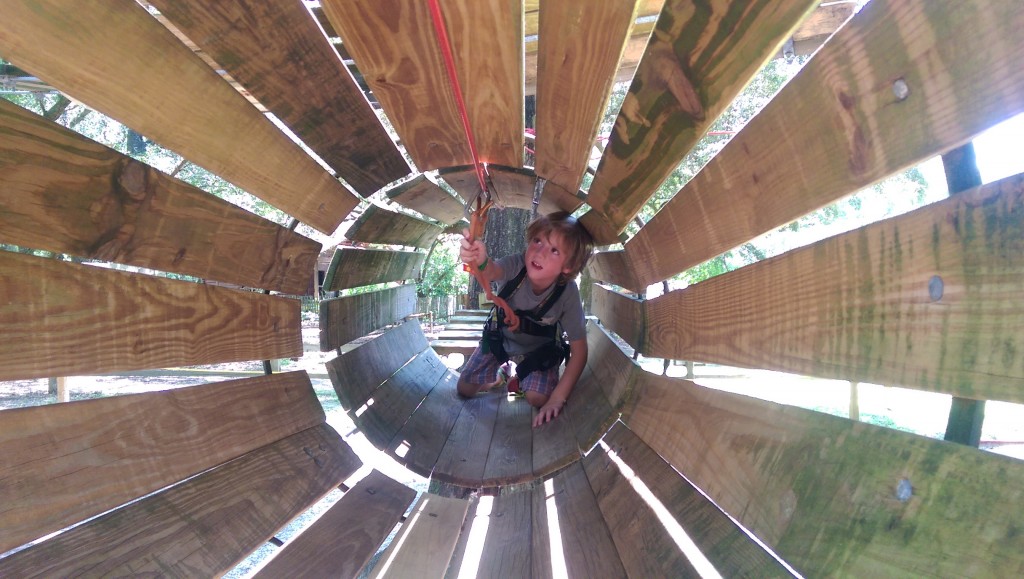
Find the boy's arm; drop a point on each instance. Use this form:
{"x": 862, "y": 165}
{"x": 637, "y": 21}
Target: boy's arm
{"x": 573, "y": 370}
{"x": 473, "y": 253}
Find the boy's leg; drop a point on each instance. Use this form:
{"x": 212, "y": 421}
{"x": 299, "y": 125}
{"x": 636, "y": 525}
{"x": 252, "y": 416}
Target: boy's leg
{"x": 539, "y": 385}
{"x": 479, "y": 374}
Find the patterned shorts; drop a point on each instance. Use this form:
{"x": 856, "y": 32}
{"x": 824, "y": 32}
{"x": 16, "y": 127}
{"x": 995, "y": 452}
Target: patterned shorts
{"x": 483, "y": 368}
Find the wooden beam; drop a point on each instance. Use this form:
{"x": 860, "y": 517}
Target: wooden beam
{"x": 379, "y": 225}
{"x": 843, "y": 118}
{"x": 353, "y": 267}
{"x": 358, "y": 372}
{"x": 423, "y": 195}
{"x": 621, "y": 314}
{"x": 278, "y": 53}
{"x": 64, "y": 193}
{"x": 225, "y": 135}
{"x": 425, "y": 543}
{"x": 701, "y": 54}
{"x": 345, "y": 319}
{"x": 63, "y": 319}
{"x": 926, "y": 300}
{"x": 506, "y": 550}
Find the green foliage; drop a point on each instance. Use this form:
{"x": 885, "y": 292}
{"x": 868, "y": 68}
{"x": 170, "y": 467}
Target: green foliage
{"x": 443, "y": 275}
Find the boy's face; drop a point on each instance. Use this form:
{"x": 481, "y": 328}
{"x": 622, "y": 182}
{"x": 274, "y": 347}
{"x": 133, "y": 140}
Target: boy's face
{"x": 545, "y": 260}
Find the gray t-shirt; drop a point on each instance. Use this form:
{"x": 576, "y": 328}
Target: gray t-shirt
{"x": 568, "y": 309}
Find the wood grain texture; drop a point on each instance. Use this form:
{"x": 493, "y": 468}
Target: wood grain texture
{"x": 601, "y": 230}
{"x": 64, "y": 463}
{"x": 464, "y": 454}
{"x": 575, "y": 72}
{"x": 510, "y": 458}
{"x": 351, "y": 267}
{"x": 204, "y": 526}
{"x": 379, "y": 225}
{"x": 699, "y": 57}
{"x": 64, "y": 319}
{"x": 554, "y": 445}
{"x": 345, "y": 319}
{"x": 357, "y": 373}
{"x": 613, "y": 267}
{"x": 621, "y": 314}
{"x": 342, "y": 541}
{"x": 825, "y": 492}
{"x": 391, "y": 405}
{"x": 506, "y": 521}
{"x": 225, "y": 135}
{"x": 424, "y": 544}
{"x": 277, "y": 52}
{"x": 606, "y": 358}
{"x": 927, "y": 300}
{"x": 421, "y": 439}
{"x": 838, "y": 118}
{"x": 65, "y": 193}
{"x": 422, "y": 194}
{"x": 394, "y": 46}
{"x": 589, "y": 411}
{"x": 512, "y": 188}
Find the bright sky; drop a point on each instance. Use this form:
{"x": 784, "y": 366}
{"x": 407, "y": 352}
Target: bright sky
{"x": 1000, "y": 150}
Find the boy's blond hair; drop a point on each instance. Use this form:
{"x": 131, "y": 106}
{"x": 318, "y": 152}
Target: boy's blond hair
{"x": 578, "y": 245}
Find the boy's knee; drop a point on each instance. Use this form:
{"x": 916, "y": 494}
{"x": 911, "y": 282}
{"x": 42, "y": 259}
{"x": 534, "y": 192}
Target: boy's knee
{"x": 536, "y": 399}
{"x": 467, "y": 389}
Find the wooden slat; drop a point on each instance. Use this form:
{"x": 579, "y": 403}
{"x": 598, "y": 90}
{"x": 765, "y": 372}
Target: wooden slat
{"x": 506, "y": 548}
{"x": 586, "y": 543}
{"x": 353, "y": 267}
{"x": 613, "y": 267}
{"x": 424, "y": 545}
{"x": 828, "y": 494}
{"x": 601, "y": 230}
{"x": 725, "y": 545}
{"x": 63, "y": 319}
{"x": 465, "y": 452}
{"x": 204, "y": 526}
{"x": 841, "y": 118}
{"x": 225, "y": 135}
{"x": 419, "y": 442}
{"x": 927, "y": 300}
{"x": 589, "y": 410}
{"x": 425, "y": 196}
{"x": 671, "y": 104}
{"x": 393, "y": 44}
{"x": 378, "y": 225}
{"x": 277, "y": 52}
{"x": 345, "y": 319}
{"x": 62, "y": 192}
{"x": 513, "y": 187}
{"x": 342, "y": 541}
{"x": 554, "y": 445}
{"x": 510, "y": 458}
{"x": 621, "y": 314}
{"x": 617, "y": 380}
{"x": 575, "y": 72}
{"x": 394, "y": 402}
{"x": 460, "y": 334}
{"x": 64, "y": 463}
{"x": 357, "y": 373}
{"x": 446, "y": 347}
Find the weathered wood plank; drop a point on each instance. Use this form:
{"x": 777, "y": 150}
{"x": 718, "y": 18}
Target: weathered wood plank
{"x": 277, "y": 52}
{"x": 62, "y": 192}
{"x": 837, "y": 497}
{"x": 589, "y": 410}
{"x": 351, "y": 267}
{"x": 621, "y": 314}
{"x": 554, "y": 445}
{"x": 510, "y": 458}
{"x": 838, "y": 117}
{"x": 613, "y": 267}
{"x": 379, "y": 225}
{"x": 582, "y": 536}
{"x": 342, "y": 541}
{"x": 64, "y": 319}
{"x": 356, "y": 373}
{"x": 245, "y": 147}
{"x": 420, "y": 441}
{"x": 446, "y": 347}
{"x": 424, "y": 545}
{"x": 605, "y": 357}
{"x": 424, "y": 195}
{"x": 700, "y": 55}
{"x": 513, "y": 188}
{"x": 927, "y": 300}
{"x": 464, "y": 455}
{"x": 394, "y": 43}
{"x": 203, "y": 526}
{"x": 391, "y": 405}
{"x": 506, "y": 550}
{"x": 345, "y": 319}
{"x": 64, "y": 463}
{"x": 575, "y": 72}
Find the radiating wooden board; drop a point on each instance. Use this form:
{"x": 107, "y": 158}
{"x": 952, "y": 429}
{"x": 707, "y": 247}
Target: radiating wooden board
{"x": 64, "y": 193}
{"x": 825, "y": 492}
{"x": 837, "y": 116}
{"x": 510, "y": 458}
{"x": 277, "y": 52}
{"x": 621, "y": 314}
{"x": 64, "y": 319}
{"x": 391, "y": 405}
{"x": 419, "y": 442}
{"x": 225, "y": 135}
{"x": 343, "y": 540}
{"x": 345, "y": 319}
{"x": 203, "y": 526}
{"x": 512, "y": 188}
{"x": 352, "y": 267}
{"x": 589, "y": 410}
{"x": 394, "y": 46}
{"x": 424, "y": 545}
{"x": 554, "y": 445}
{"x": 379, "y": 225}
{"x": 424, "y": 195}
{"x": 360, "y": 371}
{"x": 612, "y": 267}
{"x": 927, "y": 300}
{"x": 465, "y": 452}
{"x": 66, "y": 462}
{"x": 700, "y": 55}
{"x": 605, "y": 357}
{"x": 506, "y": 548}
{"x": 601, "y": 230}
{"x": 575, "y": 73}
{"x": 586, "y": 543}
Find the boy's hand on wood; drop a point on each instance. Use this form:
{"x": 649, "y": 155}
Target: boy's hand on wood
{"x": 472, "y": 252}
{"x": 548, "y": 412}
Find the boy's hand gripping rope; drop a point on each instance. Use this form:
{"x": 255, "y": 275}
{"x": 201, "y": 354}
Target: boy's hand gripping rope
{"x": 477, "y": 223}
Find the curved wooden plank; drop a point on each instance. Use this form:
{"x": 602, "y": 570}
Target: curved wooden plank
{"x": 244, "y": 147}
{"x": 621, "y": 314}
{"x": 423, "y": 195}
{"x": 701, "y": 54}
{"x": 277, "y": 52}
{"x": 419, "y": 442}
{"x": 379, "y": 225}
{"x": 512, "y": 187}
{"x": 358, "y": 372}
{"x": 345, "y": 319}
{"x": 613, "y": 267}
{"x": 63, "y": 319}
{"x": 62, "y": 192}
{"x": 353, "y": 267}
{"x": 424, "y": 544}
{"x": 390, "y": 405}
{"x": 837, "y": 118}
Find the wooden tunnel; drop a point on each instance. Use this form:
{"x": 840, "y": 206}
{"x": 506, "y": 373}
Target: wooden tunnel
{"x": 643, "y": 475}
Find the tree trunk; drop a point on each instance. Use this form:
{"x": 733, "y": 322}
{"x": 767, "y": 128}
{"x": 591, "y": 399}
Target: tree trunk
{"x": 505, "y": 235}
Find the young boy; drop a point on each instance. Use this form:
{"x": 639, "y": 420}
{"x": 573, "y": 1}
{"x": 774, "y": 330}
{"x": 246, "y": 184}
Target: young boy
{"x": 558, "y": 248}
